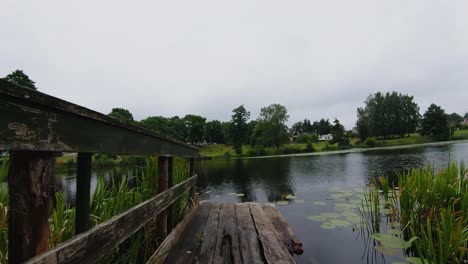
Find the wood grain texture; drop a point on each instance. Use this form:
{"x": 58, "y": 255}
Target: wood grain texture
{"x": 160, "y": 255}
{"x": 248, "y": 239}
{"x": 274, "y": 250}
{"x": 28, "y": 187}
{"x": 90, "y": 246}
{"x": 206, "y": 250}
{"x": 192, "y": 237}
{"x": 32, "y": 120}
{"x": 227, "y": 239}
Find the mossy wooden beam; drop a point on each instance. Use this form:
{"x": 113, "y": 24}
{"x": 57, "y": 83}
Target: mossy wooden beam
{"x": 31, "y": 120}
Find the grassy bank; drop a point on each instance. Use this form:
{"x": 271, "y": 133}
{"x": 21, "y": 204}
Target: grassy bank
{"x": 427, "y": 214}
{"x": 226, "y": 151}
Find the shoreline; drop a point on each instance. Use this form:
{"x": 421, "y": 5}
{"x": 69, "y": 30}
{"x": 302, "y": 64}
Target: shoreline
{"x": 360, "y": 150}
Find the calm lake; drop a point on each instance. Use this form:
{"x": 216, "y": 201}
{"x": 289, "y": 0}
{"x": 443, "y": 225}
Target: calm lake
{"x": 309, "y": 186}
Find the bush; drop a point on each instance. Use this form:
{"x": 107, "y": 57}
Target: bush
{"x": 370, "y": 142}
{"x": 258, "y": 151}
{"x": 227, "y": 154}
{"x": 309, "y": 147}
{"x": 329, "y": 147}
{"x": 306, "y": 137}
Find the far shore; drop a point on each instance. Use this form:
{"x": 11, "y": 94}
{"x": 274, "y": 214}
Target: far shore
{"x": 357, "y": 150}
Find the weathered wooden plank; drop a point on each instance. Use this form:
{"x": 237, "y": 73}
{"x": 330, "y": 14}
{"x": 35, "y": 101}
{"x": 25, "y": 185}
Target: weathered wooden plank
{"x": 90, "y": 246}
{"x": 227, "y": 239}
{"x": 28, "y": 188}
{"x": 32, "y": 120}
{"x": 248, "y": 240}
{"x": 170, "y": 183}
{"x": 83, "y": 189}
{"x": 284, "y": 231}
{"x": 160, "y": 255}
{"x": 274, "y": 250}
{"x": 186, "y": 248}
{"x": 206, "y": 251}
{"x": 163, "y": 174}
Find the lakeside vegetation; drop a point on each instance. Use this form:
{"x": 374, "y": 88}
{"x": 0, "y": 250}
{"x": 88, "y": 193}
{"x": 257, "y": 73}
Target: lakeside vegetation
{"x": 425, "y": 213}
{"x": 108, "y": 200}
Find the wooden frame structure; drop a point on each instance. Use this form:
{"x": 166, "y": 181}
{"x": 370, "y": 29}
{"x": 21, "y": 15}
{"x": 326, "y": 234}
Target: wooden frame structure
{"x": 34, "y": 127}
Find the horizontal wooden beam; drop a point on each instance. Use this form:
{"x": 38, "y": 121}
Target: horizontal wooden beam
{"x": 34, "y": 121}
{"x": 90, "y": 246}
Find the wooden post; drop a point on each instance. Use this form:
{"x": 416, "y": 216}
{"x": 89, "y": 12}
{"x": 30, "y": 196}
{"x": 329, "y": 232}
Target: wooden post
{"x": 28, "y": 188}
{"x": 193, "y": 191}
{"x": 83, "y": 186}
{"x": 163, "y": 166}
{"x": 170, "y": 183}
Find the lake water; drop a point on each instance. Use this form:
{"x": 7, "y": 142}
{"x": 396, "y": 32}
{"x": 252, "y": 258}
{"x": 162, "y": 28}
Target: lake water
{"x": 313, "y": 180}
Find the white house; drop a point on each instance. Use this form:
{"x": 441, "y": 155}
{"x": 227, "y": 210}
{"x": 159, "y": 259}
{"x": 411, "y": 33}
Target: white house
{"x": 326, "y": 137}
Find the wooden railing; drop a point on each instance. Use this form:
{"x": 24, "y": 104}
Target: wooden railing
{"x": 34, "y": 127}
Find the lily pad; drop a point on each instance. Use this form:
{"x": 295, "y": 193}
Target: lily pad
{"x": 386, "y": 250}
{"x": 328, "y": 225}
{"x": 282, "y": 202}
{"x": 339, "y": 222}
{"x": 320, "y": 203}
{"x": 299, "y": 201}
{"x": 414, "y": 260}
{"x": 290, "y": 196}
{"x": 319, "y": 218}
{"x": 240, "y": 194}
{"x": 232, "y": 194}
{"x": 331, "y": 215}
{"x": 345, "y": 206}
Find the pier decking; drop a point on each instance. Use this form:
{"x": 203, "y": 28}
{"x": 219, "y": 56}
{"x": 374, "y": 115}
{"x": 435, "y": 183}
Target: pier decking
{"x": 236, "y": 233}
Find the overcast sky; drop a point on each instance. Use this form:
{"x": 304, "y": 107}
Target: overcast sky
{"x": 318, "y": 58}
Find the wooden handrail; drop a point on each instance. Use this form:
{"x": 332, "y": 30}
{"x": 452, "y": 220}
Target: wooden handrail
{"x": 90, "y": 246}
{"x": 34, "y": 121}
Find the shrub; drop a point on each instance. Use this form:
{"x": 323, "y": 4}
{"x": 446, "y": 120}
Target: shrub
{"x": 306, "y": 137}
{"x": 370, "y": 142}
{"x": 309, "y": 147}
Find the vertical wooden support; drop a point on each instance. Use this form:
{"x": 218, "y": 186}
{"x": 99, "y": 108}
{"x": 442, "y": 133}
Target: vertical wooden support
{"x": 163, "y": 166}
{"x": 170, "y": 183}
{"x": 28, "y": 187}
{"x": 83, "y": 186}
{"x": 193, "y": 191}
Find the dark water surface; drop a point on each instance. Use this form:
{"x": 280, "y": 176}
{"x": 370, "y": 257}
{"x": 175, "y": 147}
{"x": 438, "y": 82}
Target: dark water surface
{"x": 312, "y": 180}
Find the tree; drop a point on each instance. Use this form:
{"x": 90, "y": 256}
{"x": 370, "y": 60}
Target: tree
{"x": 196, "y": 128}
{"x": 121, "y": 114}
{"x": 271, "y": 128}
{"x": 18, "y": 77}
{"x": 435, "y": 123}
{"x": 466, "y": 115}
{"x": 239, "y": 127}
{"x": 214, "y": 132}
{"x": 340, "y": 135}
{"x": 323, "y": 127}
{"x": 455, "y": 119}
{"x": 388, "y": 115}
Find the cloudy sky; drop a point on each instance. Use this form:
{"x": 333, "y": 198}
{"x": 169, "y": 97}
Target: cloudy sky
{"x": 318, "y": 58}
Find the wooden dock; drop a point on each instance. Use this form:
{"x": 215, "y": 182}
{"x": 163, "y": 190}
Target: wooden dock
{"x": 233, "y": 233}
{"x": 35, "y": 128}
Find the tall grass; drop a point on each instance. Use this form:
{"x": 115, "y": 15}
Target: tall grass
{"x": 432, "y": 206}
{"x": 108, "y": 200}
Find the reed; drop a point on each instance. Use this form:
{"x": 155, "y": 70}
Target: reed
{"x": 429, "y": 205}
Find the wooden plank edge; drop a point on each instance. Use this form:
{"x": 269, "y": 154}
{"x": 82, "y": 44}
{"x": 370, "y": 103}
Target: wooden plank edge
{"x": 160, "y": 255}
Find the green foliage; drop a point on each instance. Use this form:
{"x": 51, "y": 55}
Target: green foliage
{"x": 239, "y": 127}
{"x": 455, "y": 119}
{"x": 387, "y": 115}
{"x": 432, "y": 208}
{"x": 196, "y": 128}
{"x": 435, "y": 123}
{"x": 271, "y": 129}
{"x": 121, "y": 114}
{"x": 306, "y": 137}
{"x": 370, "y": 142}
{"x": 18, "y": 77}
{"x": 309, "y": 147}
{"x": 62, "y": 222}
{"x": 173, "y": 127}
{"x": 214, "y": 132}
{"x": 339, "y": 135}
